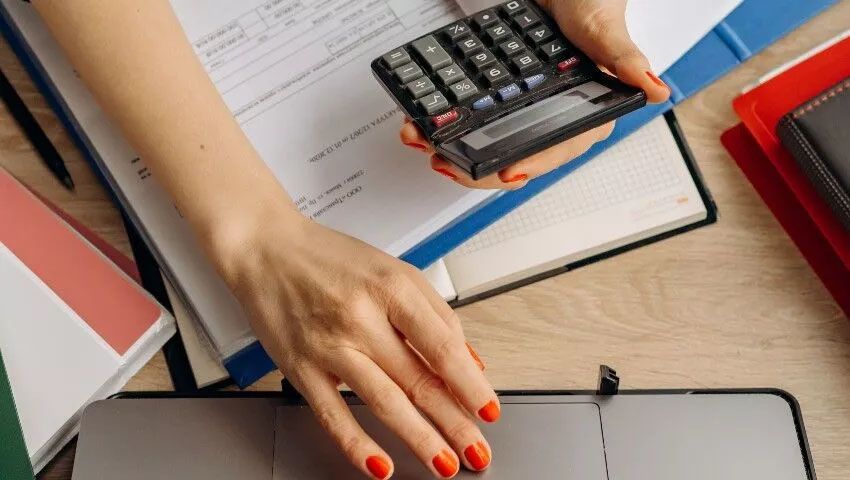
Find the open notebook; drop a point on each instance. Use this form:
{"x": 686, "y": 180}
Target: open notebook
{"x": 644, "y": 188}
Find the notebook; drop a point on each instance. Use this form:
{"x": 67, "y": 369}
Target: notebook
{"x": 643, "y": 187}
{"x": 73, "y": 327}
{"x": 203, "y": 293}
{"x": 761, "y": 107}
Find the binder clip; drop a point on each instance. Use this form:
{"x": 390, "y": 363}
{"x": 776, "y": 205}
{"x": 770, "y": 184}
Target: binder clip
{"x": 609, "y": 382}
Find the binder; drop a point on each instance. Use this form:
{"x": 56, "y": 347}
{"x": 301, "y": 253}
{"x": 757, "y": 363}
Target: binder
{"x": 751, "y": 27}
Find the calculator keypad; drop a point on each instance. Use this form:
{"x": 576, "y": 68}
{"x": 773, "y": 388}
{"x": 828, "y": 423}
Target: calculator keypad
{"x": 493, "y": 56}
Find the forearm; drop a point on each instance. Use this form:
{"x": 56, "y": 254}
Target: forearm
{"x": 136, "y": 60}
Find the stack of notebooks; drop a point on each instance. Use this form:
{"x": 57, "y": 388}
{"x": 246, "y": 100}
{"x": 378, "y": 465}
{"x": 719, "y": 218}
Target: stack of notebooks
{"x": 74, "y": 326}
{"x": 793, "y": 143}
{"x": 269, "y": 59}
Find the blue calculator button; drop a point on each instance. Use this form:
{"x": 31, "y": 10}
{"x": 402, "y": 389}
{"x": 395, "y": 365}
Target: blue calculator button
{"x": 533, "y": 81}
{"x": 509, "y": 92}
{"x": 483, "y": 103}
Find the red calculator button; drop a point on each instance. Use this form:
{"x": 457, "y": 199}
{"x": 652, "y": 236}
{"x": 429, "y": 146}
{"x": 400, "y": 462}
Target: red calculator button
{"x": 445, "y": 118}
{"x": 568, "y": 64}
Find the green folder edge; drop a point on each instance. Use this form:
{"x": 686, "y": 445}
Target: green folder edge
{"x": 14, "y": 459}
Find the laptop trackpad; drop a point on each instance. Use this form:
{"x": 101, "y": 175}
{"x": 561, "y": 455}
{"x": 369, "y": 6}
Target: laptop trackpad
{"x": 540, "y": 441}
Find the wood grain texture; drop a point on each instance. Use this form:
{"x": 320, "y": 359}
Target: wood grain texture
{"x": 730, "y": 305}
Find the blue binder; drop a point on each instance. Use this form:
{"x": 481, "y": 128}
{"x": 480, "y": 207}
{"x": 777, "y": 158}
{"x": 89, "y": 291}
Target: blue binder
{"x": 750, "y": 28}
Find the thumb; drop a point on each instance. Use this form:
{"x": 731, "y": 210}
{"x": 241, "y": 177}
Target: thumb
{"x": 603, "y": 35}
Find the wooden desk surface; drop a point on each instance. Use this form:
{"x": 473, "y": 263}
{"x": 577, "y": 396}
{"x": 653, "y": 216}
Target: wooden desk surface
{"x": 730, "y": 305}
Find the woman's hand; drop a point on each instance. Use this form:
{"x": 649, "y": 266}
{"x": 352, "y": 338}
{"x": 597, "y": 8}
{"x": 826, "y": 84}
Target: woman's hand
{"x": 598, "y": 28}
{"x": 330, "y": 309}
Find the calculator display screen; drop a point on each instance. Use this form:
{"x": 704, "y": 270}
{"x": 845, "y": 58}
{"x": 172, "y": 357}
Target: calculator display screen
{"x": 541, "y": 118}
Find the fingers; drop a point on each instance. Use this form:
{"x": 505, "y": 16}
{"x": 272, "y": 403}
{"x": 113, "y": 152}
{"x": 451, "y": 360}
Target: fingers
{"x": 430, "y": 394}
{"x": 603, "y": 35}
{"x": 553, "y": 157}
{"x": 413, "y": 138}
{"x": 392, "y": 407}
{"x": 444, "y": 350}
{"x": 446, "y": 168}
{"x": 320, "y": 391}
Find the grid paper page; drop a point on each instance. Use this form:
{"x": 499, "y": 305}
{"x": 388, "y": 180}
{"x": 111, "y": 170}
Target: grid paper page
{"x": 611, "y": 178}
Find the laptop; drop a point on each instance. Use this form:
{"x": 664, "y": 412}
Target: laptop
{"x": 636, "y": 435}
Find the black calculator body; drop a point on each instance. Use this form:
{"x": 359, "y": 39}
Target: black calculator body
{"x": 500, "y": 85}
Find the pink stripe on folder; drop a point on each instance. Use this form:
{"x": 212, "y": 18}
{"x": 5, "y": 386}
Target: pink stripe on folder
{"x": 107, "y": 301}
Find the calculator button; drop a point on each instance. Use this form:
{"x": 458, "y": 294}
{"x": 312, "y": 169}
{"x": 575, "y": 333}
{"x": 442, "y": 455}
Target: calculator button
{"x": 497, "y": 33}
{"x": 513, "y": 7}
{"x": 509, "y": 92}
{"x": 526, "y": 20}
{"x": 525, "y": 63}
{"x": 433, "y": 102}
{"x": 396, "y": 58}
{"x": 482, "y": 59}
{"x": 463, "y": 89}
{"x": 449, "y": 75}
{"x": 431, "y": 51}
{"x": 511, "y": 48}
{"x": 553, "y": 49}
{"x": 496, "y": 73}
{"x": 539, "y": 35}
{"x": 568, "y": 64}
{"x": 445, "y": 118}
{"x": 533, "y": 81}
{"x": 418, "y": 88}
{"x": 406, "y": 73}
{"x": 483, "y": 102}
{"x": 456, "y": 31}
{"x": 482, "y": 20}
{"x": 470, "y": 45}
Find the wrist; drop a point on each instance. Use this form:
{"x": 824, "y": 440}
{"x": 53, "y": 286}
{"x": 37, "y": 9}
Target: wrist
{"x": 234, "y": 236}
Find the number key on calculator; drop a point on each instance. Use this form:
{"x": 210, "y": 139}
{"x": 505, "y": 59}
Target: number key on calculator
{"x": 500, "y": 85}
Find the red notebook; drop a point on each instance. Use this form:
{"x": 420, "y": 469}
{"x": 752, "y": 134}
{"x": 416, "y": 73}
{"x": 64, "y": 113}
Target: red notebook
{"x": 790, "y": 212}
{"x": 760, "y": 110}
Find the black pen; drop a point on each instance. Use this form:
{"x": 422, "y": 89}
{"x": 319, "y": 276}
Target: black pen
{"x": 34, "y": 132}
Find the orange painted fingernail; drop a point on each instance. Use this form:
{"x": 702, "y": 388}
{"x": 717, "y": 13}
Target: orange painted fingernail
{"x": 477, "y": 456}
{"x": 417, "y": 146}
{"x": 378, "y": 467}
{"x": 447, "y": 173}
{"x": 445, "y": 464}
{"x": 490, "y": 412}
{"x": 516, "y": 178}
{"x": 656, "y": 80}
{"x": 475, "y": 357}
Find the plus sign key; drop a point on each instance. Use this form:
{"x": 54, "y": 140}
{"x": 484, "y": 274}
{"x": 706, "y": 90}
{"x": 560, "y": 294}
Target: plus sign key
{"x": 432, "y": 53}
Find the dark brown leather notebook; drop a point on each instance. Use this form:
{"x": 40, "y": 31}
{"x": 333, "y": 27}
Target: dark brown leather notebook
{"x": 817, "y": 133}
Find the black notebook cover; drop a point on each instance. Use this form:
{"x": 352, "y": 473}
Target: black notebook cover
{"x": 817, "y": 134}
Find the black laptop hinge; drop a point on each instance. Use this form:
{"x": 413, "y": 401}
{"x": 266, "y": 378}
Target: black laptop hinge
{"x": 609, "y": 382}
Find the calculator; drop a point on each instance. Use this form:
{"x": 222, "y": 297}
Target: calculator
{"x": 493, "y": 88}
